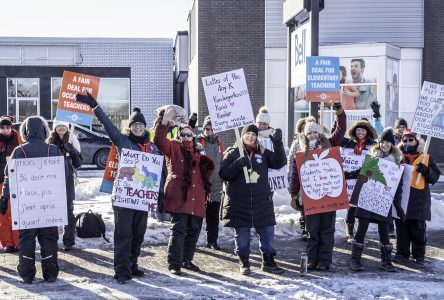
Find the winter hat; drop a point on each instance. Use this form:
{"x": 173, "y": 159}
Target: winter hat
{"x": 409, "y": 132}
{"x": 387, "y": 135}
{"x": 59, "y": 123}
{"x": 136, "y": 117}
{"x": 207, "y": 121}
{"x": 312, "y": 127}
{"x": 302, "y": 122}
{"x": 5, "y": 120}
{"x": 263, "y": 116}
{"x": 371, "y": 132}
{"x": 250, "y": 128}
{"x": 399, "y": 122}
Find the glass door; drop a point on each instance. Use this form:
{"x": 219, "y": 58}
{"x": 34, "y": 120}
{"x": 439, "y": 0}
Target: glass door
{"x": 23, "y": 98}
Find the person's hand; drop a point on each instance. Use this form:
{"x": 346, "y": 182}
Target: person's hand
{"x": 295, "y": 203}
{"x": 352, "y": 174}
{"x": 3, "y": 205}
{"x": 402, "y": 216}
{"x": 88, "y": 99}
{"x": 276, "y": 136}
{"x": 68, "y": 147}
{"x": 209, "y": 199}
{"x": 242, "y": 161}
{"x": 192, "y": 120}
{"x": 375, "y": 107}
{"x": 423, "y": 169}
{"x": 168, "y": 116}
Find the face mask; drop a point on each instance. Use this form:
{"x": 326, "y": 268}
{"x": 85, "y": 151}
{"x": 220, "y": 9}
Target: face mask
{"x": 410, "y": 149}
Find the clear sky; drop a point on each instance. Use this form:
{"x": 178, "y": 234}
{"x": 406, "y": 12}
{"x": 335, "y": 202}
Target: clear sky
{"x": 94, "y": 18}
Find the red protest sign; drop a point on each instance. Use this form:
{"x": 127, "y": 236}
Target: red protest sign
{"x": 322, "y": 181}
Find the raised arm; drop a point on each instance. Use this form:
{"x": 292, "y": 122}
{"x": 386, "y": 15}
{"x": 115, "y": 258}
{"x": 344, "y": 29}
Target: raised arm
{"x": 341, "y": 125}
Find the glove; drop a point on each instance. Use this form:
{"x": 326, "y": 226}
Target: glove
{"x": 352, "y": 175}
{"x": 336, "y": 105}
{"x": 276, "y": 136}
{"x": 375, "y": 107}
{"x": 88, "y": 99}
{"x": 242, "y": 162}
{"x": 3, "y": 205}
{"x": 421, "y": 168}
{"x": 193, "y": 120}
{"x": 68, "y": 147}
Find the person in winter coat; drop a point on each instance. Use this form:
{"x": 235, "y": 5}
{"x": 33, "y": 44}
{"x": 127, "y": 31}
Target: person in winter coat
{"x": 60, "y": 136}
{"x": 385, "y": 149}
{"x": 9, "y": 139}
{"x": 295, "y": 147}
{"x": 400, "y": 126}
{"x": 321, "y": 227}
{"x": 214, "y": 149}
{"x": 186, "y": 189}
{"x": 34, "y": 132}
{"x": 130, "y": 224}
{"x": 412, "y": 232}
{"x": 248, "y": 205}
{"x": 362, "y": 137}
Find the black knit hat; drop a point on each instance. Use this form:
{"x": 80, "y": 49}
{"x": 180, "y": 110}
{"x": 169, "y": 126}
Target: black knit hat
{"x": 136, "y": 117}
{"x": 250, "y": 128}
{"x": 5, "y": 120}
{"x": 387, "y": 135}
{"x": 399, "y": 122}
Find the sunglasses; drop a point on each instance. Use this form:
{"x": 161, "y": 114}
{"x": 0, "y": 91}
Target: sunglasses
{"x": 408, "y": 140}
{"x": 5, "y": 127}
{"x": 186, "y": 135}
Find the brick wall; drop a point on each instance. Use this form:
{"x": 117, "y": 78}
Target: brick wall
{"x": 232, "y": 36}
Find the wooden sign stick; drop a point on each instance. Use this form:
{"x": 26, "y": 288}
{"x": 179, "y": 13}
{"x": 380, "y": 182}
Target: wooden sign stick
{"x": 241, "y": 152}
{"x": 424, "y": 153}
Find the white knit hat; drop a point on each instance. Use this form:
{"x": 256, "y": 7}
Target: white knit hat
{"x": 312, "y": 127}
{"x": 59, "y": 123}
{"x": 263, "y": 116}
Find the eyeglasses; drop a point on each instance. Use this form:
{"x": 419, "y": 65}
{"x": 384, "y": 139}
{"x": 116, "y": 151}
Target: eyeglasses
{"x": 186, "y": 135}
{"x": 138, "y": 124}
{"x": 5, "y": 127}
{"x": 408, "y": 140}
{"x": 208, "y": 129}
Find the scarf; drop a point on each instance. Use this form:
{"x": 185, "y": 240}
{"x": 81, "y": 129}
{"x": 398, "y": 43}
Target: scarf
{"x": 410, "y": 158}
{"x": 359, "y": 146}
{"x": 139, "y": 139}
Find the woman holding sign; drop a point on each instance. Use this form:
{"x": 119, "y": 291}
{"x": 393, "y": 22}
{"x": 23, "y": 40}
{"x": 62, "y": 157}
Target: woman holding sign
{"x": 130, "y": 224}
{"x": 248, "y": 205}
{"x": 60, "y": 136}
{"x": 412, "y": 232}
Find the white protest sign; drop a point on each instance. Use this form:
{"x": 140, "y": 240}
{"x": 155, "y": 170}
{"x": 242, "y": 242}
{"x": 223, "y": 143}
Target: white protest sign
{"x": 138, "y": 180}
{"x": 277, "y": 179}
{"x": 228, "y": 100}
{"x": 351, "y": 162}
{"x": 406, "y": 183}
{"x": 429, "y": 115}
{"x": 38, "y": 192}
{"x": 377, "y": 184}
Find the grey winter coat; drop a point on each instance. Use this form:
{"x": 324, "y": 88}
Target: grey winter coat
{"x": 214, "y": 150}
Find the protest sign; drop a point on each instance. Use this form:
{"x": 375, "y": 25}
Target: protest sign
{"x": 277, "y": 178}
{"x": 68, "y": 109}
{"x": 38, "y": 192}
{"x": 138, "y": 180}
{"x": 322, "y": 83}
{"x": 429, "y": 115}
{"x": 228, "y": 100}
{"x": 112, "y": 164}
{"x": 351, "y": 162}
{"x": 376, "y": 185}
{"x": 406, "y": 183}
{"x": 322, "y": 181}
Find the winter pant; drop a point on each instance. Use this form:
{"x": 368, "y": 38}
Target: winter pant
{"x": 350, "y": 218}
{"x": 47, "y": 238}
{"x": 411, "y": 232}
{"x": 129, "y": 231}
{"x": 322, "y": 237}
{"x": 383, "y": 229}
{"x": 185, "y": 230}
{"x": 391, "y": 226}
{"x": 70, "y": 229}
{"x": 8, "y": 237}
{"x": 212, "y": 219}
{"x": 243, "y": 238}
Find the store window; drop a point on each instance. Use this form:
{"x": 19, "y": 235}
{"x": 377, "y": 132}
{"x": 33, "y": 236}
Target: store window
{"x": 23, "y": 97}
{"x": 114, "y": 98}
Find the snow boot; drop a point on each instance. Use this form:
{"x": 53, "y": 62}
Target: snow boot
{"x": 386, "y": 258}
{"x": 350, "y": 232}
{"x": 356, "y": 257}
{"x": 244, "y": 263}
{"x": 269, "y": 265}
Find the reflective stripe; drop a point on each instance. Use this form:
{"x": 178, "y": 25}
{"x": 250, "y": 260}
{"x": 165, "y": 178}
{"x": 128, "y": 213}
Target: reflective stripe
{"x": 27, "y": 257}
{"x": 43, "y": 258}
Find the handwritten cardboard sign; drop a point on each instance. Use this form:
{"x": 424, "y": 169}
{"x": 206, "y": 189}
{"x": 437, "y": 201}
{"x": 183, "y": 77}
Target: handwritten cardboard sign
{"x": 322, "y": 181}
{"x": 351, "y": 162}
{"x": 112, "y": 164}
{"x": 138, "y": 180}
{"x": 69, "y": 109}
{"x": 429, "y": 114}
{"x": 228, "y": 100}
{"x": 38, "y": 192}
{"x": 406, "y": 182}
{"x": 322, "y": 79}
{"x": 377, "y": 184}
{"x": 277, "y": 178}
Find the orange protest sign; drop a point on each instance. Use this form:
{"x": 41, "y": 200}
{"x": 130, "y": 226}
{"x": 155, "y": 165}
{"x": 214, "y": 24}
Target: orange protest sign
{"x": 68, "y": 109}
{"x": 110, "y": 173}
{"x": 322, "y": 181}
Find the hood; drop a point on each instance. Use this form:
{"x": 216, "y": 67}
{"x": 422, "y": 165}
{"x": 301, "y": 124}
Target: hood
{"x": 34, "y": 128}
{"x": 371, "y": 132}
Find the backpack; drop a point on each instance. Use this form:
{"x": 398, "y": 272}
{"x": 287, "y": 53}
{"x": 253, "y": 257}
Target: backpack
{"x": 90, "y": 225}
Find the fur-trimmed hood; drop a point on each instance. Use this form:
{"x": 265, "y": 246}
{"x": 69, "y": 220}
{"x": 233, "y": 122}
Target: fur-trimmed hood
{"x": 371, "y": 131}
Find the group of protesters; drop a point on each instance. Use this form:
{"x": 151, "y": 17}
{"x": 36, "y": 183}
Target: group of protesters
{"x": 201, "y": 179}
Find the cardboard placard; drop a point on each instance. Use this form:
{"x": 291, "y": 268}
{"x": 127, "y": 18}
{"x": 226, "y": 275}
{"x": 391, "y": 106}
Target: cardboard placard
{"x": 376, "y": 185}
{"x": 277, "y": 178}
{"x": 406, "y": 183}
{"x": 68, "y": 109}
{"x": 112, "y": 165}
{"x": 138, "y": 180}
{"x": 38, "y": 192}
{"x": 351, "y": 162}
{"x": 228, "y": 100}
{"x": 429, "y": 115}
{"x": 322, "y": 83}
{"x": 322, "y": 181}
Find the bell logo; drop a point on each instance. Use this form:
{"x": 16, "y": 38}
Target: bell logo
{"x": 300, "y": 48}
